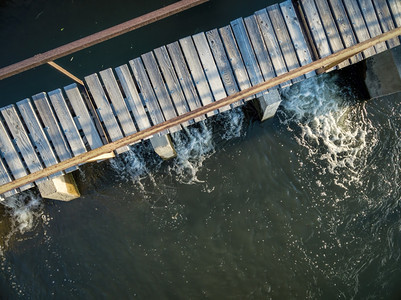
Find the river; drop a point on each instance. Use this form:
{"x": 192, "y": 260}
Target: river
{"x": 305, "y": 205}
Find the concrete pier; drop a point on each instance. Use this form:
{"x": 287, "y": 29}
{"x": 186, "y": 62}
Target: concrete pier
{"x": 268, "y": 104}
{"x": 163, "y": 146}
{"x": 383, "y": 73}
{"x": 61, "y": 188}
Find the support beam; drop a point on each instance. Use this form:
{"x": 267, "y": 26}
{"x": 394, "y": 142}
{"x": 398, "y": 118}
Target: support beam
{"x": 244, "y": 94}
{"x": 61, "y": 188}
{"x": 163, "y": 146}
{"x": 383, "y": 73}
{"x": 267, "y": 104}
{"x": 98, "y": 37}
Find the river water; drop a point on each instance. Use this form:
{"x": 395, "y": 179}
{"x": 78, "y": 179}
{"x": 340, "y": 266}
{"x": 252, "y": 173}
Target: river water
{"x": 304, "y": 205}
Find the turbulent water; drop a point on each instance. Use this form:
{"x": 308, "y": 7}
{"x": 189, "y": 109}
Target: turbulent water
{"x": 305, "y": 205}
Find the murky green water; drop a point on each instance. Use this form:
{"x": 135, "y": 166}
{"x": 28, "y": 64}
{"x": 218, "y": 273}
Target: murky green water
{"x": 305, "y": 205}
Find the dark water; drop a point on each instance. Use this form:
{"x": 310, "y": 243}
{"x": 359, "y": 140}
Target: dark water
{"x": 305, "y": 205}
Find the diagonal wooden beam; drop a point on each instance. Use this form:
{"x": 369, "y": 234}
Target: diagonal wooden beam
{"x": 85, "y": 157}
{"x": 98, "y": 37}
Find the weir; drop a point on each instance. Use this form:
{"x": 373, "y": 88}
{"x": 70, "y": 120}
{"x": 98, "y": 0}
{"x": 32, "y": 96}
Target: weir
{"x": 174, "y": 86}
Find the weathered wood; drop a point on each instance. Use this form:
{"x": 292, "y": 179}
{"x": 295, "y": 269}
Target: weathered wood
{"x": 386, "y": 21}
{"x": 297, "y": 36}
{"x": 395, "y": 9}
{"x": 37, "y": 133}
{"x": 149, "y": 97}
{"x": 287, "y": 48}
{"x": 83, "y": 117}
{"x": 104, "y": 109}
{"x": 52, "y": 128}
{"x": 5, "y": 178}
{"x": 12, "y": 159}
{"x": 344, "y": 26}
{"x": 330, "y": 27}
{"x": 358, "y": 24}
{"x": 321, "y": 63}
{"x": 369, "y": 14}
{"x": 315, "y": 25}
{"x": 197, "y": 72}
{"x": 272, "y": 43}
{"x": 117, "y": 101}
{"x": 132, "y": 97}
{"x": 172, "y": 83}
{"x": 236, "y": 62}
{"x": 246, "y": 50}
{"x": 67, "y": 122}
{"x": 98, "y": 37}
{"x": 65, "y": 72}
{"x": 159, "y": 88}
{"x": 259, "y": 48}
{"x": 184, "y": 77}
{"x": 21, "y": 139}
{"x": 222, "y": 62}
{"x": 210, "y": 68}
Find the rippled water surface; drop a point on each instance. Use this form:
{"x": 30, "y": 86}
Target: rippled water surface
{"x": 304, "y": 205}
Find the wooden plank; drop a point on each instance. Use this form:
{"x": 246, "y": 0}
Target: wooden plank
{"x": 172, "y": 83}
{"x": 104, "y": 109}
{"x": 83, "y": 117}
{"x": 372, "y": 22}
{"x": 358, "y": 24}
{"x": 146, "y": 89}
{"x": 333, "y": 36}
{"x": 395, "y": 9}
{"x": 222, "y": 62}
{"x": 297, "y": 36}
{"x": 287, "y": 48}
{"x": 12, "y": 158}
{"x": 246, "y": 50}
{"x": 67, "y": 122}
{"x": 159, "y": 88}
{"x": 132, "y": 97}
{"x": 344, "y": 26}
{"x": 52, "y": 128}
{"x": 21, "y": 139}
{"x": 237, "y": 64}
{"x": 259, "y": 47}
{"x": 334, "y": 58}
{"x": 5, "y": 178}
{"x": 386, "y": 21}
{"x": 315, "y": 25}
{"x": 184, "y": 77}
{"x": 272, "y": 44}
{"x": 210, "y": 68}
{"x": 116, "y": 98}
{"x": 197, "y": 72}
{"x": 37, "y": 133}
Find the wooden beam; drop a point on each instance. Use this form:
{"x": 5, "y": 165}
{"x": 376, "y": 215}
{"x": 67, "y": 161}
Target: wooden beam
{"x": 85, "y": 157}
{"x": 98, "y": 37}
{"x": 65, "y": 72}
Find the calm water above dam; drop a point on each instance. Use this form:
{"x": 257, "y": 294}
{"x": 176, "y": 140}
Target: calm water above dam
{"x": 305, "y": 205}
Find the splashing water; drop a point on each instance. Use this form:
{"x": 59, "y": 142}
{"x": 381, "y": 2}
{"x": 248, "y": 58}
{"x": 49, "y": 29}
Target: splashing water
{"x": 130, "y": 166}
{"x": 193, "y": 146}
{"x": 334, "y": 131}
{"x": 232, "y": 121}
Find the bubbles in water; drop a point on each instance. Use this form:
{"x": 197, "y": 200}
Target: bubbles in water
{"x": 24, "y": 209}
{"x": 333, "y": 128}
{"x": 193, "y": 146}
{"x": 130, "y": 166}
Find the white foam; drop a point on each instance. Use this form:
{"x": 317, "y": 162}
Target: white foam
{"x": 333, "y": 128}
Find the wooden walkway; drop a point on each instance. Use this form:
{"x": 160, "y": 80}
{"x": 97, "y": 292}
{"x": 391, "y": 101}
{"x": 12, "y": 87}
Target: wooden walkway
{"x": 184, "y": 76}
